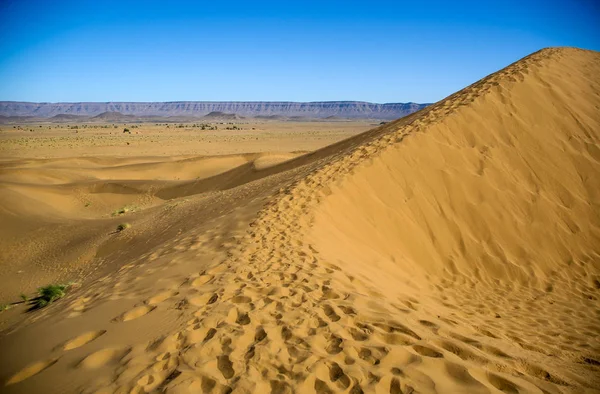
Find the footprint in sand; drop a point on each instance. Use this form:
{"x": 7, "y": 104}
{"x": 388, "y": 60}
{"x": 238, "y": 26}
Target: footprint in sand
{"x": 103, "y": 357}
{"x": 434, "y": 327}
{"x": 160, "y": 297}
{"x": 30, "y": 371}
{"x": 79, "y": 306}
{"x": 203, "y": 299}
{"x": 241, "y": 299}
{"x": 201, "y": 280}
{"x": 504, "y": 385}
{"x": 225, "y": 366}
{"x": 83, "y": 339}
{"x": 427, "y": 351}
{"x": 330, "y": 313}
{"x": 134, "y": 313}
{"x": 335, "y": 345}
{"x": 145, "y": 380}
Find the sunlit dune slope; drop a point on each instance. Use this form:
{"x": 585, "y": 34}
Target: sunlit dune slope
{"x": 484, "y": 210}
{"x": 498, "y": 185}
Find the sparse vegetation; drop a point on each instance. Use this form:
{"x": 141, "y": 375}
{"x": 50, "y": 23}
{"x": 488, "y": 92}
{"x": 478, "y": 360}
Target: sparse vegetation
{"x": 123, "y": 227}
{"x": 121, "y": 211}
{"x": 48, "y": 294}
{"x": 205, "y": 126}
{"x": 45, "y": 296}
{"x": 124, "y": 210}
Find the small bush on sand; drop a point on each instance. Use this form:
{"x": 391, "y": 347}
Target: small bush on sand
{"x": 121, "y": 211}
{"x": 47, "y": 295}
{"x": 4, "y": 307}
{"x": 123, "y": 226}
{"x": 24, "y": 297}
{"x": 124, "y": 210}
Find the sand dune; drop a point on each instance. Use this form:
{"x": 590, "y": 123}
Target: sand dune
{"x": 452, "y": 251}
{"x": 84, "y": 199}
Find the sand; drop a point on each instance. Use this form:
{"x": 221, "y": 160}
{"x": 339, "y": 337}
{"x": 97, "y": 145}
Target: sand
{"x": 452, "y": 251}
{"x": 64, "y": 190}
{"x": 173, "y": 140}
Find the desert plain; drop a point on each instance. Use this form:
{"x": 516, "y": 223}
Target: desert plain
{"x": 455, "y": 250}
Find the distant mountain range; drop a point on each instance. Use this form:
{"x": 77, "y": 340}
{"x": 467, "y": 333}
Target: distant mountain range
{"x": 121, "y": 111}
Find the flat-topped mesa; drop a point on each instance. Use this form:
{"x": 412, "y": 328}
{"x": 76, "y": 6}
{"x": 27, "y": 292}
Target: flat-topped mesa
{"x": 341, "y": 109}
{"x": 218, "y": 115}
{"x": 112, "y": 116}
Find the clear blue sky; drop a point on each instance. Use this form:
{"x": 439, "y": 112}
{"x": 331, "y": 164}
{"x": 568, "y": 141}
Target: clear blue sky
{"x": 379, "y": 51}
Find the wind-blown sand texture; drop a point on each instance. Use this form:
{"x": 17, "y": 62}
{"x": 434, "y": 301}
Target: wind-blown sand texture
{"x": 452, "y": 251}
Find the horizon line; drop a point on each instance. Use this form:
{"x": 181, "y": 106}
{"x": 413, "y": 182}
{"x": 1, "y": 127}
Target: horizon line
{"x": 209, "y": 101}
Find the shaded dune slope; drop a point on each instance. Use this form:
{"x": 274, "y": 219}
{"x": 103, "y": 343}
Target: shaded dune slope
{"x": 58, "y": 215}
{"x": 452, "y": 251}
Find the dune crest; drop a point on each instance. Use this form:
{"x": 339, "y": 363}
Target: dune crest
{"x": 454, "y": 250}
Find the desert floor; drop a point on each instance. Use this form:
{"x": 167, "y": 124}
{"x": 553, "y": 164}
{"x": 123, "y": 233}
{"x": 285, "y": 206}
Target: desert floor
{"x": 178, "y": 139}
{"x": 58, "y": 182}
{"x": 456, "y": 250}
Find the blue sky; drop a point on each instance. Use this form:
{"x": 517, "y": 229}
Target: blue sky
{"x": 379, "y": 51}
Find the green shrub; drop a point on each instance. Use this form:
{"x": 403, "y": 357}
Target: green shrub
{"x": 123, "y": 227}
{"x": 47, "y": 295}
{"x": 124, "y": 210}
